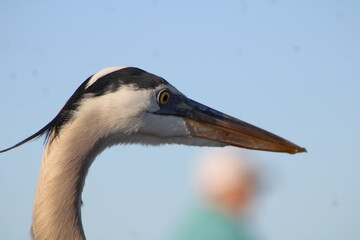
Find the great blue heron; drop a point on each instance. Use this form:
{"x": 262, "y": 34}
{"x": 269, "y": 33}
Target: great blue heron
{"x": 123, "y": 105}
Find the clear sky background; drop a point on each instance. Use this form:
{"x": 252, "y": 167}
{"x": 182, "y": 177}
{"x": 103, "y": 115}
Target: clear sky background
{"x": 291, "y": 67}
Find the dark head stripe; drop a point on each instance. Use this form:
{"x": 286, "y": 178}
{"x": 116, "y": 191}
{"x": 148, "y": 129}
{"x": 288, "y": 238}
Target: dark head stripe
{"x": 139, "y": 79}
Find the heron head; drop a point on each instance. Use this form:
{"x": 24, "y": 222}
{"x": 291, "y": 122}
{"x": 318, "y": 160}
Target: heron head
{"x": 129, "y": 105}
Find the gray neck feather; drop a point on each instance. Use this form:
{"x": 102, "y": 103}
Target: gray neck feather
{"x": 64, "y": 166}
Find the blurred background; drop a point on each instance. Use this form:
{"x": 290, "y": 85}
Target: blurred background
{"x": 226, "y": 184}
{"x": 290, "y": 67}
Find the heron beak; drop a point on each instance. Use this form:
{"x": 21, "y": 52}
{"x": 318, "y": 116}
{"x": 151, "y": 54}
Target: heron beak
{"x": 208, "y": 123}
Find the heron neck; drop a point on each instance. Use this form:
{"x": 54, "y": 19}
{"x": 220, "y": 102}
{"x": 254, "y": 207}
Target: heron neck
{"x": 65, "y": 163}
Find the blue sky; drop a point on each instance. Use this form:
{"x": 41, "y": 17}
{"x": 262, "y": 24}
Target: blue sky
{"x": 291, "y": 67}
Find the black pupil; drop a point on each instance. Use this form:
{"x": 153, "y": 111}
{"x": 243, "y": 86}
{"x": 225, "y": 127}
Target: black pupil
{"x": 165, "y": 97}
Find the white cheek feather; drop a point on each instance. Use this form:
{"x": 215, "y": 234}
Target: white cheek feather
{"x": 112, "y": 112}
{"x": 165, "y": 126}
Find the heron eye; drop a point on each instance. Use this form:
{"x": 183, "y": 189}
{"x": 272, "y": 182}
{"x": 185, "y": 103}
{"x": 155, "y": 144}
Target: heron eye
{"x": 164, "y": 97}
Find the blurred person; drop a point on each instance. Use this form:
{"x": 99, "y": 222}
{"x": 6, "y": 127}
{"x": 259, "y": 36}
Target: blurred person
{"x": 225, "y": 181}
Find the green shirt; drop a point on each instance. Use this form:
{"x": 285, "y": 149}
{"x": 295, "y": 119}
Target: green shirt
{"x": 205, "y": 223}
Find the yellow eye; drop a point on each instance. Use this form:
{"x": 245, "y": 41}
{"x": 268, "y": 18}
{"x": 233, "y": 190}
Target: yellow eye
{"x": 164, "y": 97}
